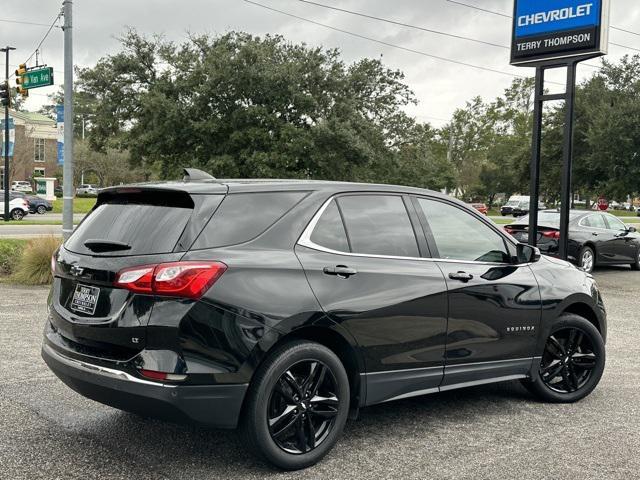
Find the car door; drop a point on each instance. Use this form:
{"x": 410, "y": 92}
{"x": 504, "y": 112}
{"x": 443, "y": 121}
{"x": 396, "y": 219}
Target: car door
{"x": 624, "y": 243}
{"x": 494, "y": 304}
{"x": 602, "y": 238}
{"x": 366, "y": 266}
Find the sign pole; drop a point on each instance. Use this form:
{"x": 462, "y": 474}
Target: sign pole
{"x": 567, "y": 161}
{"x": 67, "y": 169}
{"x": 536, "y": 141}
{"x": 6, "y": 50}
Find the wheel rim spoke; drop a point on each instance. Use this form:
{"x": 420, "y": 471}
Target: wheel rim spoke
{"x": 556, "y": 350}
{"x": 283, "y": 387}
{"x": 312, "y": 432}
{"x": 586, "y": 361}
{"x": 283, "y": 422}
{"x": 301, "y": 438}
{"x": 552, "y": 371}
{"x": 292, "y": 382}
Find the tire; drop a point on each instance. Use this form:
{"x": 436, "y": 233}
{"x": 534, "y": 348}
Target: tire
{"x": 271, "y": 394}
{"x": 16, "y": 214}
{"x": 636, "y": 264}
{"x": 557, "y": 380}
{"x": 41, "y": 209}
{"x": 583, "y": 259}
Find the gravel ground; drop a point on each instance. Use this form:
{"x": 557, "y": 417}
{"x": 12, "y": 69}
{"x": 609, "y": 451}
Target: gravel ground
{"x": 495, "y": 431}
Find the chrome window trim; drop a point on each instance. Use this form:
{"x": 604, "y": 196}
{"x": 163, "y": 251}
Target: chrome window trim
{"x": 305, "y": 241}
{"x": 596, "y": 228}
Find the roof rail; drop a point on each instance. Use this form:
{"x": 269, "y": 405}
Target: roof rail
{"x": 193, "y": 174}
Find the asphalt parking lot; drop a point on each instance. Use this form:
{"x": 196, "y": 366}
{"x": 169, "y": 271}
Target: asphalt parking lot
{"x": 496, "y": 432}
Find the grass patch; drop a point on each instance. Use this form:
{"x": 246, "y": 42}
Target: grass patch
{"x": 10, "y": 253}
{"x": 80, "y": 205}
{"x": 34, "y": 265}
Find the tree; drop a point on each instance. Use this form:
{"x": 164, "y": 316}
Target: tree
{"x": 239, "y": 105}
{"x": 111, "y": 167}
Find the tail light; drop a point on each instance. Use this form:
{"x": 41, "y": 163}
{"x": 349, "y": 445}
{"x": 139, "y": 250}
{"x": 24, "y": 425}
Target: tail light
{"x": 554, "y": 234}
{"x": 509, "y": 230}
{"x": 176, "y": 279}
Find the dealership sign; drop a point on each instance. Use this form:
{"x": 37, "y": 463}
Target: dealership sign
{"x": 555, "y": 29}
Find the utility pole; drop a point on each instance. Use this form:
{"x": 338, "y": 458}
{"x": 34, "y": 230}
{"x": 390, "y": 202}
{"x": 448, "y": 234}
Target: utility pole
{"x": 67, "y": 172}
{"x": 6, "y": 50}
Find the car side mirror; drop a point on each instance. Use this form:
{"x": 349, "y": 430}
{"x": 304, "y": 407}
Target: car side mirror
{"x": 632, "y": 229}
{"x": 527, "y": 253}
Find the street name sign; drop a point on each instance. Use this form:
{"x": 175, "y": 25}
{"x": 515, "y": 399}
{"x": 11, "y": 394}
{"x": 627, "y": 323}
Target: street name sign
{"x": 547, "y": 30}
{"x": 42, "y": 77}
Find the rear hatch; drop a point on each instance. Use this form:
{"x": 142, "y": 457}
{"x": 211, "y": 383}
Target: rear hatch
{"x": 128, "y": 227}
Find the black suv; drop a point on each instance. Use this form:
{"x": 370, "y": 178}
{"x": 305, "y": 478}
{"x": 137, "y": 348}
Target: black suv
{"x": 283, "y": 307}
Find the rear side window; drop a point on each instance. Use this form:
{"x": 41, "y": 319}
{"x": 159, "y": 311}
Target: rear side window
{"x": 146, "y": 229}
{"x": 378, "y": 225}
{"x": 244, "y": 216}
{"x": 595, "y": 221}
{"x": 329, "y": 231}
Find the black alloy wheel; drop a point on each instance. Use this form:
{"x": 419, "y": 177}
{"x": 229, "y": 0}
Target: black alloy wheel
{"x": 303, "y": 407}
{"x": 572, "y": 362}
{"x": 568, "y": 361}
{"x": 297, "y": 405}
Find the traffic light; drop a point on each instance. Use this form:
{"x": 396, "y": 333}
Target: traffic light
{"x": 22, "y": 69}
{"x": 5, "y": 94}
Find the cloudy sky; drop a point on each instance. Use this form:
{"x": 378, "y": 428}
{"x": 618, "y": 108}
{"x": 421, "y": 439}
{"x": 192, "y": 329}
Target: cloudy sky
{"x": 440, "y": 86}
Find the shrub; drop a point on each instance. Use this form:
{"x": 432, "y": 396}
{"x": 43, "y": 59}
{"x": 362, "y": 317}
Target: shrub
{"x": 34, "y": 266}
{"x": 10, "y": 252}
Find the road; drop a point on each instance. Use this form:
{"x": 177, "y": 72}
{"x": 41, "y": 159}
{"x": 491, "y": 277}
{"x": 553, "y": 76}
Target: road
{"x": 29, "y": 231}
{"x": 495, "y": 431}
{"x": 51, "y": 217}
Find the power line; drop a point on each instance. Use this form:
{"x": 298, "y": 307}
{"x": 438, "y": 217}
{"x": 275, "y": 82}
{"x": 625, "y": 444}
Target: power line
{"x": 22, "y": 22}
{"x": 493, "y": 12}
{"x": 53, "y": 24}
{"x": 394, "y": 22}
{"x": 381, "y": 42}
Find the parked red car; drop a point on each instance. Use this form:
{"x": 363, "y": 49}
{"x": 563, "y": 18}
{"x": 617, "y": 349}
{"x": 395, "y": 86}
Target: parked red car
{"x": 481, "y": 207}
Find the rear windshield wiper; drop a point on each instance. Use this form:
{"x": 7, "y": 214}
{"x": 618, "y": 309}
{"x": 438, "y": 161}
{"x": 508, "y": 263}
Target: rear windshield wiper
{"x": 106, "y": 245}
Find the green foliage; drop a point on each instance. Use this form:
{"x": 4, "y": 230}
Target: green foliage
{"x": 239, "y": 105}
{"x": 34, "y": 266}
{"x": 10, "y": 252}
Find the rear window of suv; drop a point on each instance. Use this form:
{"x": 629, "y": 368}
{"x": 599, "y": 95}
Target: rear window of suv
{"x": 244, "y": 216}
{"x": 147, "y": 223}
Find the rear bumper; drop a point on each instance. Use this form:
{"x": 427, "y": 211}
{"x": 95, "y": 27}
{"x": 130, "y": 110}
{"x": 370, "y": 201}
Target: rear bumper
{"x": 214, "y": 405}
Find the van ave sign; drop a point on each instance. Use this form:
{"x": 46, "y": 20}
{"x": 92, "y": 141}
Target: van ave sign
{"x": 42, "y": 77}
{"x": 556, "y": 29}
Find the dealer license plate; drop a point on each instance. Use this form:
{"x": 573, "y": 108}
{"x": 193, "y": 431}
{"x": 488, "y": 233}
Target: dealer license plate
{"x": 85, "y": 299}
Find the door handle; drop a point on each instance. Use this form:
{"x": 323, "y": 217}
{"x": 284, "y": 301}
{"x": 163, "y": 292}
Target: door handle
{"x": 341, "y": 271}
{"x": 461, "y": 276}
{"x": 594, "y": 234}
